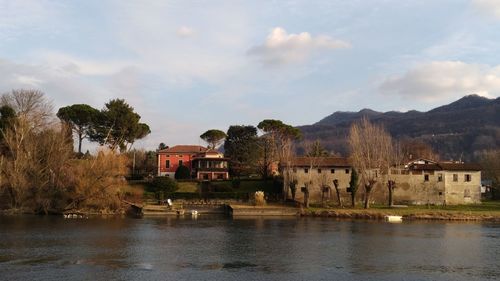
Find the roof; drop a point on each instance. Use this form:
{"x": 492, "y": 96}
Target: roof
{"x": 320, "y": 162}
{"x": 460, "y": 166}
{"x": 425, "y": 167}
{"x": 422, "y": 161}
{"x": 446, "y": 166}
{"x": 212, "y": 151}
{"x": 184, "y": 149}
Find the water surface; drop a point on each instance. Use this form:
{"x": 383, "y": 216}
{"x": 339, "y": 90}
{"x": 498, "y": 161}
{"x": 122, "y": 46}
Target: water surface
{"x": 218, "y": 248}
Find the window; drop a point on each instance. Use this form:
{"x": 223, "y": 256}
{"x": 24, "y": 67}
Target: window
{"x": 455, "y": 177}
{"x": 319, "y": 171}
{"x": 180, "y": 162}
{"x": 332, "y": 171}
{"x": 467, "y": 177}
{"x": 466, "y": 193}
{"x": 220, "y": 176}
{"x": 440, "y": 177}
{"x": 167, "y": 164}
{"x": 306, "y": 170}
{"x": 426, "y": 177}
{"x": 347, "y": 171}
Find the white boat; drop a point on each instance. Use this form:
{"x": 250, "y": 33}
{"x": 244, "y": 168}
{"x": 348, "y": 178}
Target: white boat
{"x": 394, "y": 218}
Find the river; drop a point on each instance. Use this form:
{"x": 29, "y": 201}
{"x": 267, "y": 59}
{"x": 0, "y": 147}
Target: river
{"x": 219, "y": 248}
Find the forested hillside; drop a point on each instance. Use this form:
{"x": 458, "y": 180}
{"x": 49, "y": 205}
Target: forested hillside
{"x": 458, "y": 130}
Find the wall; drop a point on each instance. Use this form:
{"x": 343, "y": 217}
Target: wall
{"x": 174, "y": 162}
{"x": 456, "y": 191}
{"x": 319, "y": 179}
{"x": 411, "y": 188}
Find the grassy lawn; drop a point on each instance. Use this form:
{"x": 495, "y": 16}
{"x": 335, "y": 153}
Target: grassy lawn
{"x": 487, "y": 208}
{"x": 246, "y": 186}
{"x": 187, "y": 186}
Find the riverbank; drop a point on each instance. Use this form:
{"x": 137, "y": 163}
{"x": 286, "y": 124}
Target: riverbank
{"x": 487, "y": 211}
{"x": 79, "y": 212}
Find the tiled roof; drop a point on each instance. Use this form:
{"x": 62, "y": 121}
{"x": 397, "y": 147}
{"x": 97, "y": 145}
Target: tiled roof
{"x": 446, "y": 166}
{"x": 460, "y": 166}
{"x": 425, "y": 167}
{"x": 184, "y": 149}
{"x": 320, "y": 162}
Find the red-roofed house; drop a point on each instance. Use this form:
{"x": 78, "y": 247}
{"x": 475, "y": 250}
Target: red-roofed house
{"x": 204, "y": 163}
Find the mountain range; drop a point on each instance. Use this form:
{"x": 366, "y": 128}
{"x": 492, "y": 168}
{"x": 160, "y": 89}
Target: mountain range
{"x": 458, "y": 131}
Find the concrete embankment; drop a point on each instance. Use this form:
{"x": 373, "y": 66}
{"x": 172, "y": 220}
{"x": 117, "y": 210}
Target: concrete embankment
{"x": 164, "y": 210}
{"x": 237, "y": 210}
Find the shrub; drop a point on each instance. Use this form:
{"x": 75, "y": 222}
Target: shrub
{"x": 222, "y": 188}
{"x": 259, "y": 198}
{"x": 163, "y": 184}
{"x": 182, "y": 173}
{"x": 236, "y": 183}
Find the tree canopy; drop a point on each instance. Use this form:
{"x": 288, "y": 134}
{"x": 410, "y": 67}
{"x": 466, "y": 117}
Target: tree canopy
{"x": 213, "y": 137}
{"x": 317, "y": 150}
{"x": 7, "y": 114}
{"x": 281, "y": 137}
{"x": 182, "y": 173}
{"x": 80, "y": 118}
{"x": 242, "y": 148}
{"x": 118, "y": 126}
{"x": 279, "y": 129}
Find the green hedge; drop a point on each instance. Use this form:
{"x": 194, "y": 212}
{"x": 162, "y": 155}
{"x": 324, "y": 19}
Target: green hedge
{"x": 208, "y": 195}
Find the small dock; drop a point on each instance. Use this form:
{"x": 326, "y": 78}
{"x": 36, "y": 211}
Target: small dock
{"x": 221, "y": 208}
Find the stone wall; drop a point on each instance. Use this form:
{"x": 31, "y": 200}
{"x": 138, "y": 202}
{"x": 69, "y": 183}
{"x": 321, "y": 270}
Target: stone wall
{"x": 412, "y": 187}
{"x": 462, "y": 191}
{"x": 316, "y": 179}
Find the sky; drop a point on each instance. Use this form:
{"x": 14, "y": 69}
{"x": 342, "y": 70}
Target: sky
{"x": 189, "y": 66}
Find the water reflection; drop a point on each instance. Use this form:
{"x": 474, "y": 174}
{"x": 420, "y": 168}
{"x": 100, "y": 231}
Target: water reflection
{"x": 218, "y": 248}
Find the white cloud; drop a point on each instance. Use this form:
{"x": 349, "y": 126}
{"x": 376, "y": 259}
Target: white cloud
{"x": 83, "y": 66}
{"x": 65, "y": 83}
{"x": 281, "y": 47}
{"x": 185, "y": 32}
{"x": 490, "y": 7}
{"x": 441, "y": 80}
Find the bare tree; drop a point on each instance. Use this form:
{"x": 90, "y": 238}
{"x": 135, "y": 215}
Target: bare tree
{"x": 282, "y": 136}
{"x": 267, "y": 155}
{"x": 336, "y": 185}
{"x": 95, "y": 182}
{"x": 32, "y": 105}
{"x": 395, "y": 158}
{"x": 490, "y": 162}
{"x": 369, "y": 144}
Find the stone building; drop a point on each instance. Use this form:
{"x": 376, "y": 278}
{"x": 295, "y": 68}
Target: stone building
{"x": 318, "y": 172}
{"x": 438, "y": 183}
{"x": 419, "y": 182}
